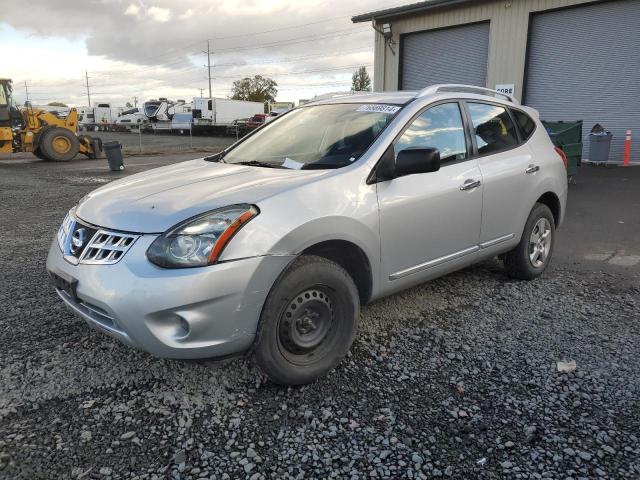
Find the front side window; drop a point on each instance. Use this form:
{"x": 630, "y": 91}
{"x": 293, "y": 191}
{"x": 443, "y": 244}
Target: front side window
{"x": 494, "y": 130}
{"x": 317, "y": 137}
{"x": 439, "y": 127}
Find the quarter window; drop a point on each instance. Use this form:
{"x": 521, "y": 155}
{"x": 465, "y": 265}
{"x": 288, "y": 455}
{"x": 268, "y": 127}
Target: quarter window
{"x": 525, "y": 122}
{"x": 494, "y": 130}
{"x": 439, "y": 127}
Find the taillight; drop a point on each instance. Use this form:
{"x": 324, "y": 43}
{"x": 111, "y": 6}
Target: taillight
{"x": 563, "y": 156}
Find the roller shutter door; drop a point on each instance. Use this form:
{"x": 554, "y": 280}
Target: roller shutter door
{"x": 584, "y": 64}
{"x": 451, "y": 55}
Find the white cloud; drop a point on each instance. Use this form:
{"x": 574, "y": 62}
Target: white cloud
{"x": 186, "y": 15}
{"x": 159, "y": 14}
{"x": 288, "y": 40}
{"x": 132, "y": 10}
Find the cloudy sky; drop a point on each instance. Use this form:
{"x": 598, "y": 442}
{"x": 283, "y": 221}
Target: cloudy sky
{"x": 154, "y": 48}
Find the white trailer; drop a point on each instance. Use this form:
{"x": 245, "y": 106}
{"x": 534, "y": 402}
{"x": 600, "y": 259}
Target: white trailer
{"x": 219, "y": 113}
{"x": 102, "y": 116}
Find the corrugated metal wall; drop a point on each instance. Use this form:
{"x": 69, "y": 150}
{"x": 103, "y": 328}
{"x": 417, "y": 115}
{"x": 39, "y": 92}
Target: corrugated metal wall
{"x": 450, "y": 55}
{"x": 584, "y": 64}
{"x": 507, "y": 43}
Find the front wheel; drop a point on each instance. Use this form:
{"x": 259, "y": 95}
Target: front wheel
{"x": 308, "y": 322}
{"x": 59, "y": 144}
{"x": 530, "y": 258}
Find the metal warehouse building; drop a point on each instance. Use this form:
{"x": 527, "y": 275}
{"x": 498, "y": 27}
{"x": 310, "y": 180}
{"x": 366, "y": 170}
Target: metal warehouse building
{"x": 570, "y": 59}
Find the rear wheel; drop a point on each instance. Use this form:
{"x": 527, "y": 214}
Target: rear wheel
{"x": 59, "y": 144}
{"x": 39, "y": 154}
{"x": 530, "y": 258}
{"x": 308, "y": 322}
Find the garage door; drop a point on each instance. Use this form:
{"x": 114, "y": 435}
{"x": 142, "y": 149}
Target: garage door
{"x": 584, "y": 63}
{"x": 451, "y": 55}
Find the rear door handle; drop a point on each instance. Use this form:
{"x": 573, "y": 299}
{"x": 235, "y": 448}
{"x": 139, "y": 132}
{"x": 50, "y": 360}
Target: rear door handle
{"x": 470, "y": 185}
{"x": 532, "y": 169}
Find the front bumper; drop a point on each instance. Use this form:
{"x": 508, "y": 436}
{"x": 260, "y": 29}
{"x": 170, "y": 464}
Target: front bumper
{"x": 170, "y": 313}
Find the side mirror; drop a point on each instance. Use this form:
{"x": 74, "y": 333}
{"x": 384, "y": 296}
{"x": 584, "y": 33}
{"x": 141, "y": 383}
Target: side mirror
{"x": 417, "y": 160}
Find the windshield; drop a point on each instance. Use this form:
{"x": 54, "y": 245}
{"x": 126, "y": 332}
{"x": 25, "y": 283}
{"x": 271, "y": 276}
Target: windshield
{"x": 317, "y": 137}
{"x": 150, "y": 108}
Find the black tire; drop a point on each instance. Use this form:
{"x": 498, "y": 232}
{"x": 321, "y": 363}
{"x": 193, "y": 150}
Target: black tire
{"x": 519, "y": 262}
{"x": 308, "y": 322}
{"x": 39, "y": 154}
{"x": 59, "y": 144}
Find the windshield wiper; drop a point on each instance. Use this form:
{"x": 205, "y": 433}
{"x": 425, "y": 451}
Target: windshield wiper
{"x": 218, "y": 157}
{"x": 255, "y": 163}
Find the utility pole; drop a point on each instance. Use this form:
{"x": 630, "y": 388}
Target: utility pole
{"x": 26, "y": 90}
{"x": 86, "y": 76}
{"x": 209, "y": 67}
{"x": 215, "y": 110}
{"x": 201, "y": 90}
{"x": 135, "y": 102}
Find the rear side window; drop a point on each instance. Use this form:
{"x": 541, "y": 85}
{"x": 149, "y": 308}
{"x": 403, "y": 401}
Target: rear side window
{"x": 494, "y": 131}
{"x": 525, "y": 122}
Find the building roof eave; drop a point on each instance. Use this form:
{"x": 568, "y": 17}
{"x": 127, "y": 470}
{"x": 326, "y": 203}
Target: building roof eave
{"x": 419, "y": 7}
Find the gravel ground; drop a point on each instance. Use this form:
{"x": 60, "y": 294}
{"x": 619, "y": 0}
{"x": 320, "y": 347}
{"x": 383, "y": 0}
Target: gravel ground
{"x": 457, "y": 378}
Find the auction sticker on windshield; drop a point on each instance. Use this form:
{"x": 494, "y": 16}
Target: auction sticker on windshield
{"x": 389, "y": 109}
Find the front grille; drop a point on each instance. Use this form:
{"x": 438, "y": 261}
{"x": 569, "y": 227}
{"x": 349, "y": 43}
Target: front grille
{"x": 107, "y": 248}
{"x": 83, "y": 243}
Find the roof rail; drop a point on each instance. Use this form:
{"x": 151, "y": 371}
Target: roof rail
{"x": 452, "y": 87}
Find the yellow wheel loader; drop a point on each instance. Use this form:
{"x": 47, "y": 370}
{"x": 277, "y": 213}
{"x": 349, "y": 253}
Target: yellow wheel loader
{"x": 34, "y": 130}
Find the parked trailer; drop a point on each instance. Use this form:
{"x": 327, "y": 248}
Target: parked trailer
{"x": 214, "y": 115}
{"x": 101, "y": 117}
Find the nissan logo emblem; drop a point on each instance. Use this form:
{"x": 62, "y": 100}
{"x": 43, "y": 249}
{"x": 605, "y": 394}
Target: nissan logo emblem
{"x": 78, "y": 239}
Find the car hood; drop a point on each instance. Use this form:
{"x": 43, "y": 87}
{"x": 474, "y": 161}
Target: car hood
{"x": 156, "y": 200}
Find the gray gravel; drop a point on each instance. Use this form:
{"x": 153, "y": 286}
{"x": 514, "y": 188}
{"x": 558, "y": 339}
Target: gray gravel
{"x": 453, "y": 379}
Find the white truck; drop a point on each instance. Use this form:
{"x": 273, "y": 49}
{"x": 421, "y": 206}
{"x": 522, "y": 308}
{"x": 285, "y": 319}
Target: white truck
{"x": 216, "y": 114}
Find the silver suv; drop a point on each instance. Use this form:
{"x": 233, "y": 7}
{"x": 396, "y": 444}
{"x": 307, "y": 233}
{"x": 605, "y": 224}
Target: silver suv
{"x": 272, "y": 245}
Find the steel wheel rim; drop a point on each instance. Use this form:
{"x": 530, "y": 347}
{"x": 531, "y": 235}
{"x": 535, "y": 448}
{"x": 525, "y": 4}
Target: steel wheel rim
{"x": 540, "y": 243}
{"x": 61, "y": 144}
{"x": 306, "y": 325}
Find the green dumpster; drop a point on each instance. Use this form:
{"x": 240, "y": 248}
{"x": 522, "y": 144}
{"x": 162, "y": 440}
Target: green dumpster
{"x": 568, "y": 137}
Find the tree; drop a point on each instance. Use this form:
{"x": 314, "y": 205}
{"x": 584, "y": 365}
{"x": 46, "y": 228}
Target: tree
{"x": 128, "y": 105}
{"x": 256, "y": 89}
{"x": 57, "y": 104}
{"x": 361, "y": 82}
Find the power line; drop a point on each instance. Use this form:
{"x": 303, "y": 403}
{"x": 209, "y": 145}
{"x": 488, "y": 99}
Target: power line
{"x": 307, "y": 38}
{"x": 292, "y": 27}
{"x": 303, "y": 72}
{"x": 292, "y": 41}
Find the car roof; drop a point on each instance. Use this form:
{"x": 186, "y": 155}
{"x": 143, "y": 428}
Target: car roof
{"x": 406, "y": 96}
{"x": 392, "y": 98}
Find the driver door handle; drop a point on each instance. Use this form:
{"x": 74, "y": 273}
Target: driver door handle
{"x": 470, "y": 185}
{"x": 532, "y": 169}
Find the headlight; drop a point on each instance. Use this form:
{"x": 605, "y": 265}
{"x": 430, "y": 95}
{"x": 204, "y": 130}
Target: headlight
{"x": 200, "y": 240}
{"x": 67, "y": 223}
